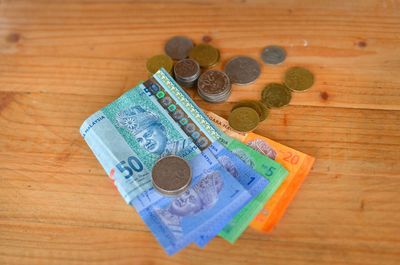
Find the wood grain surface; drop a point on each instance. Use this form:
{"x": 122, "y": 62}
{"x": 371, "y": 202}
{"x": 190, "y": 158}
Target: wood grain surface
{"x": 60, "y": 61}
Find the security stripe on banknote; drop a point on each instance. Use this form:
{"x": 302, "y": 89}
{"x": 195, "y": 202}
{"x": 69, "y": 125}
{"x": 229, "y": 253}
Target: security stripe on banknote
{"x": 177, "y": 114}
{"x": 172, "y": 86}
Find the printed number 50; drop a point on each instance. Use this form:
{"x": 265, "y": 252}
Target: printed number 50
{"x": 134, "y": 164}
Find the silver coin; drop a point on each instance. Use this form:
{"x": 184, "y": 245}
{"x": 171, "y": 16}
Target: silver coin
{"x": 273, "y": 54}
{"x": 215, "y": 99}
{"x": 178, "y": 47}
{"x": 242, "y": 70}
{"x": 214, "y": 86}
{"x": 187, "y": 71}
{"x": 171, "y": 175}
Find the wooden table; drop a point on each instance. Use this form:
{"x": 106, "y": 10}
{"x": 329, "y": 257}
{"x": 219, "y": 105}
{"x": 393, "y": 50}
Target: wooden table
{"x": 60, "y": 61}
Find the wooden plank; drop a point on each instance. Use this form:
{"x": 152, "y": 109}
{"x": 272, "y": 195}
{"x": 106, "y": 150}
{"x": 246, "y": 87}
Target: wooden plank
{"x": 100, "y": 48}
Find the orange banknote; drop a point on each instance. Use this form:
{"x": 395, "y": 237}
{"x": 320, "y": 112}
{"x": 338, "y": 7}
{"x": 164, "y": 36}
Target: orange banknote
{"x": 297, "y": 163}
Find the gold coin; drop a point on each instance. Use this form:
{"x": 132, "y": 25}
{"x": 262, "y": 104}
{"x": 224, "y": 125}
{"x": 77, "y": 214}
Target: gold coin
{"x": 298, "y": 79}
{"x": 276, "y": 95}
{"x": 205, "y": 54}
{"x": 264, "y": 111}
{"x": 244, "y": 119}
{"x": 156, "y": 62}
{"x": 254, "y": 104}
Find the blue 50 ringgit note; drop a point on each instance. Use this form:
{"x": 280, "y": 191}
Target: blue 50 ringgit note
{"x": 132, "y": 133}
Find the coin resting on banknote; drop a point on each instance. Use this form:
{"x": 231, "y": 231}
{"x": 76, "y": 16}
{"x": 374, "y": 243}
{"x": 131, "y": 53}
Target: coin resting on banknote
{"x": 171, "y": 175}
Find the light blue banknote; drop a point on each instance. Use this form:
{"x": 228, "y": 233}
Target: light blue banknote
{"x": 177, "y": 221}
{"x": 130, "y": 134}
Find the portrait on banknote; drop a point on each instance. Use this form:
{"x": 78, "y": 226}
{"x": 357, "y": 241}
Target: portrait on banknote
{"x": 149, "y": 132}
{"x": 202, "y": 196}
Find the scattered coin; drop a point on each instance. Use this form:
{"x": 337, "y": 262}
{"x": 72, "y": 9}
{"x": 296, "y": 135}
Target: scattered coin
{"x": 214, "y": 86}
{"x": 273, "y": 54}
{"x": 298, "y": 79}
{"x": 205, "y": 54}
{"x": 187, "y": 71}
{"x": 276, "y": 95}
{"x": 156, "y": 62}
{"x": 242, "y": 70}
{"x": 171, "y": 175}
{"x": 256, "y": 105}
{"x": 178, "y": 47}
{"x": 264, "y": 111}
{"x": 244, "y": 119}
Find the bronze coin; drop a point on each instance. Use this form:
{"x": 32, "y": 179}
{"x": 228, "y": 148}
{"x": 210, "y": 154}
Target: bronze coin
{"x": 276, "y": 95}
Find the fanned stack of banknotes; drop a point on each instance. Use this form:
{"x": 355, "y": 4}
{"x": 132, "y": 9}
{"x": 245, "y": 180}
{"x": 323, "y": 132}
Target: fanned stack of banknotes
{"x": 238, "y": 179}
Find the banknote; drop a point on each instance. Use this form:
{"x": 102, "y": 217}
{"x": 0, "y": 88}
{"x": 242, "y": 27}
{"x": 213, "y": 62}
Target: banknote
{"x": 178, "y": 221}
{"x": 298, "y": 164}
{"x": 133, "y": 132}
{"x": 129, "y": 136}
{"x": 265, "y": 166}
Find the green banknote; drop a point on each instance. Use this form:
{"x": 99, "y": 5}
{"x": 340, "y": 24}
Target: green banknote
{"x": 275, "y": 176}
{"x": 265, "y": 166}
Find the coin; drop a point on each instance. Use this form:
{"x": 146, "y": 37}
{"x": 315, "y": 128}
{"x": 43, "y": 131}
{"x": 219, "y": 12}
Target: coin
{"x": 178, "y": 47}
{"x": 242, "y": 70}
{"x": 187, "y": 71}
{"x": 273, "y": 54}
{"x": 171, "y": 175}
{"x": 205, "y": 54}
{"x": 276, "y": 95}
{"x": 254, "y": 104}
{"x": 264, "y": 111}
{"x": 156, "y": 62}
{"x": 214, "y": 86}
{"x": 298, "y": 79}
{"x": 244, "y": 119}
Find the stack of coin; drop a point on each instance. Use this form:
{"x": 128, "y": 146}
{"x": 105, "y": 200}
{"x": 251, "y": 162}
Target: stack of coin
{"x": 171, "y": 175}
{"x": 187, "y": 71}
{"x": 214, "y": 86}
{"x": 244, "y": 119}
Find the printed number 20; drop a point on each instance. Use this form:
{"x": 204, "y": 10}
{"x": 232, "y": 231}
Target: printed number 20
{"x": 291, "y": 158}
{"x": 134, "y": 164}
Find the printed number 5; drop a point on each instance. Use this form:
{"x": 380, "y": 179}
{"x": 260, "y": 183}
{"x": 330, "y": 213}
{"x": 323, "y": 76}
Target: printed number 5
{"x": 134, "y": 164}
{"x": 270, "y": 171}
